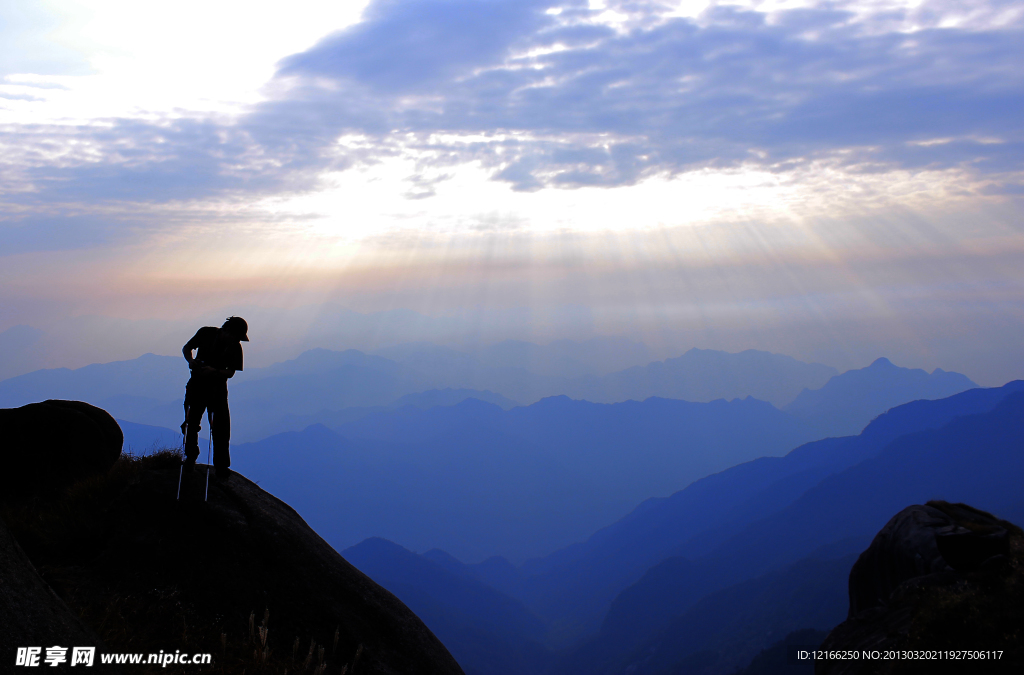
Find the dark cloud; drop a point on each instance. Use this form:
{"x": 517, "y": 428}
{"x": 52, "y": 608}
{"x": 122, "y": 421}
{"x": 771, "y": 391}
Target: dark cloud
{"x": 668, "y": 95}
{"x": 140, "y": 161}
{"x": 415, "y": 45}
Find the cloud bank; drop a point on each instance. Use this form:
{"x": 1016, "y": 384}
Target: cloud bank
{"x": 565, "y": 94}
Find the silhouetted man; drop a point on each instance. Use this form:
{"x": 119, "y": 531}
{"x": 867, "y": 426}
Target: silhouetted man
{"x": 218, "y": 356}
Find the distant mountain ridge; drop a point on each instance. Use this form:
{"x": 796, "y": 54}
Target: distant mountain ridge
{"x": 707, "y": 374}
{"x": 149, "y": 376}
{"x": 851, "y": 400}
{"x": 519, "y": 371}
{"x": 560, "y": 358}
{"x": 335, "y": 387}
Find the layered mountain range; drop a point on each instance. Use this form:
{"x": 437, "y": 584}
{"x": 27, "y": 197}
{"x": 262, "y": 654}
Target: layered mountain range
{"x": 739, "y": 487}
{"x": 705, "y": 579}
{"x": 334, "y": 387}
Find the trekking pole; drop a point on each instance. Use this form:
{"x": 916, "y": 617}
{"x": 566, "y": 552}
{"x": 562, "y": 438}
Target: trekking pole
{"x": 184, "y": 427}
{"x": 209, "y": 442}
{"x": 181, "y": 469}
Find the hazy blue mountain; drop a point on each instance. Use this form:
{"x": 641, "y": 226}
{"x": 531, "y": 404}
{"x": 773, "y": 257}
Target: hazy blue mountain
{"x": 149, "y": 389}
{"x": 496, "y": 571}
{"x": 280, "y": 333}
{"x": 725, "y": 629}
{"x": 572, "y": 588}
{"x": 146, "y": 411}
{"x": 17, "y": 338}
{"x": 486, "y": 631}
{"x": 973, "y": 459}
{"x": 682, "y": 440}
{"x": 320, "y": 385}
{"x": 417, "y": 494}
{"x": 559, "y": 359}
{"x": 320, "y": 379}
{"x": 707, "y": 374}
{"x": 316, "y": 387}
{"x": 271, "y": 425}
{"x": 424, "y": 355}
{"x": 161, "y": 378}
{"x": 264, "y": 399}
{"x": 151, "y": 412}
{"x": 311, "y": 388}
{"x": 847, "y": 402}
{"x": 634, "y": 449}
{"x": 315, "y": 362}
{"x": 297, "y": 422}
{"x": 141, "y": 439}
{"x": 433, "y": 398}
{"x": 448, "y": 367}
{"x": 566, "y": 358}
{"x": 537, "y": 477}
{"x": 587, "y": 370}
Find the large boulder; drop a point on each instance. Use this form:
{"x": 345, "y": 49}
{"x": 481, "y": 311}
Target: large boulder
{"x": 938, "y": 576}
{"x": 924, "y": 544}
{"x": 902, "y": 550}
{"x": 47, "y": 446}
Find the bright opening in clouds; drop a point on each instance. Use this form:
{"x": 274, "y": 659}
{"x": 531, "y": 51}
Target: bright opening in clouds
{"x": 832, "y": 180}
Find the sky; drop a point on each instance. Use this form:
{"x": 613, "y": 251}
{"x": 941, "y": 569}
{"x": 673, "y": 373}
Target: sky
{"x": 836, "y": 181}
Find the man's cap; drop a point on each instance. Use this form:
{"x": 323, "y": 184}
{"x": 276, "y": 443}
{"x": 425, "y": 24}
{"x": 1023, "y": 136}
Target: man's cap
{"x": 237, "y": 325}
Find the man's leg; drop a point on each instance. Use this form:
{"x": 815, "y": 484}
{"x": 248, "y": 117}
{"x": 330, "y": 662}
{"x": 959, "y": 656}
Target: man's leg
{"x": 194, "y": 421}
{"x": 221, "y": 434}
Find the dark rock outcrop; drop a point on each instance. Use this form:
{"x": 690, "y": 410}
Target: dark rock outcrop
{"x": 46, "y": 446}
{"x": 151, "y": 572}
{"x": 31, "y": 614}
{"x": 937, "y": 577}
{"x": 904, "y": 549}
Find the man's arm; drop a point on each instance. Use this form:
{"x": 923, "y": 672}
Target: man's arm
{"x": 187, "y": 350}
